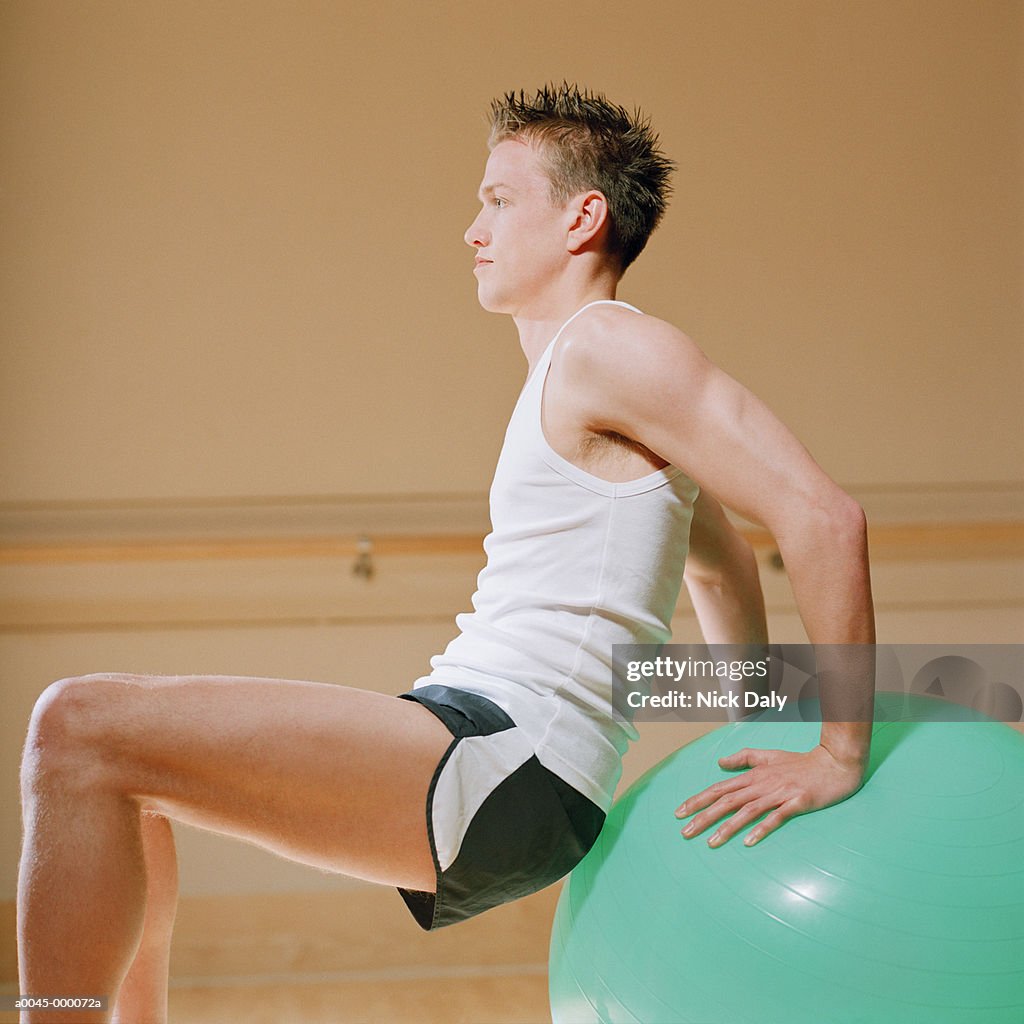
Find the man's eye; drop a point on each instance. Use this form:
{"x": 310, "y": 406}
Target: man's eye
{"x": 499, "y": 202}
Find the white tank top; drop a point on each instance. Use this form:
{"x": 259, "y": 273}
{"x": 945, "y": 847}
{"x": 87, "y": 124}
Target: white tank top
{"x": 575, "y": 564}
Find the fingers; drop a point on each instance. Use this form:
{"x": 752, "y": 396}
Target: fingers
{"x": 738, "y": 804}
{"x": 740, "y": 759}
{"x": 771, "y": 822}
{"x": 747, "y": 758}
{"x": 739, "y": 811}
{"x": 708, "y": 796}
{"x": 742, "y": 799}
{"x": 720, "y": 809}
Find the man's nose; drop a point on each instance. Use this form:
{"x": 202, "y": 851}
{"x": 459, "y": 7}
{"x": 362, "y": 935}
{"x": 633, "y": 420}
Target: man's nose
{"x": 475, "y": 234}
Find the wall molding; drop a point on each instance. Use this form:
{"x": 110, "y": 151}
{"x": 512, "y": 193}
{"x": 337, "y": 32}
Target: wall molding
{"x": 374, "y": 560}
{"x": 888, "y": 541}
{"x": 982, "y": 518}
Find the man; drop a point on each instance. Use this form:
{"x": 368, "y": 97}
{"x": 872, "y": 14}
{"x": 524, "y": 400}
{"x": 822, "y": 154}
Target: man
{"x": 491, "y": 778}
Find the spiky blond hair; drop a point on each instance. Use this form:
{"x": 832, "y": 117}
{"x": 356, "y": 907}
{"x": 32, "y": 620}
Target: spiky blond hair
{"x": 587, "y": 142}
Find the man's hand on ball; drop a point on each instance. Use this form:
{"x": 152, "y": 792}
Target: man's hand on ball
{"x": 777, "y": 786}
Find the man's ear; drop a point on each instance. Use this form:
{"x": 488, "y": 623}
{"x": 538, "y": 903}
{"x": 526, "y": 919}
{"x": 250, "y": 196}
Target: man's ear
{"x": 590, "y": 220}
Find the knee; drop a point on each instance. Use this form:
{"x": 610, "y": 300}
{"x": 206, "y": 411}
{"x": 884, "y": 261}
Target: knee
{"x": 66, "y": 729}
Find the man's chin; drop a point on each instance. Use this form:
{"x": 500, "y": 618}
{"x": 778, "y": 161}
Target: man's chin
{"x": 491, "y": 303}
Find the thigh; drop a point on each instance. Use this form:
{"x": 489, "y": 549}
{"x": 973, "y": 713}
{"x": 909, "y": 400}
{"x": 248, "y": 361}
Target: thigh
{"x": 331, "y": 776}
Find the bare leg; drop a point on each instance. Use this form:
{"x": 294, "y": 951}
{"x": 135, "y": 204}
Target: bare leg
{"x": 329, "y": 776}
{"x": 143, "y": 995}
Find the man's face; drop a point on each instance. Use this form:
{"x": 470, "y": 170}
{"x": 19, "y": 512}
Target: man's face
{"x": 519, "y": 235}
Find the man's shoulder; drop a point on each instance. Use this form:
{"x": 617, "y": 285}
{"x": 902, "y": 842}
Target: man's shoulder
{"x": 617, "y": 342}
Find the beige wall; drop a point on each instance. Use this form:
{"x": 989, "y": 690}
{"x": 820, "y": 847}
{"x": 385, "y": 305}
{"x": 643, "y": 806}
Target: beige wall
{"x": 233, "y": 279}
{"x": 232, "y": 233}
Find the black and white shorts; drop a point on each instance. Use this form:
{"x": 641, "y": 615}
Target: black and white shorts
{"x": 501, "y": 825}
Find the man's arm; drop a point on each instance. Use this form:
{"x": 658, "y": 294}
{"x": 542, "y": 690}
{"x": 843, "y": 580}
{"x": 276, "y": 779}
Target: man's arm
{"x": 722, "y": 579}
{"x": 724, "y": 585}
{"x": 647, "y": 381}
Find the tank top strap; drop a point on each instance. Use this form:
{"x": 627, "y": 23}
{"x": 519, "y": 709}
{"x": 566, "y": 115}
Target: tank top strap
{"x": 583, "y": 309}
{"x": 545, "y": 357}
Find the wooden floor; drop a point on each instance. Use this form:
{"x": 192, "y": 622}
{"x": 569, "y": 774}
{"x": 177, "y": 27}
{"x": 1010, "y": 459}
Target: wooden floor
{"x": 353, "y": 956}
{"x": 455, "y": 998}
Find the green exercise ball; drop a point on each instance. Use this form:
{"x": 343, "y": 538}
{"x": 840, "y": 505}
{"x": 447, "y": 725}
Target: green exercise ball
{"x": 901, "y": 905}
